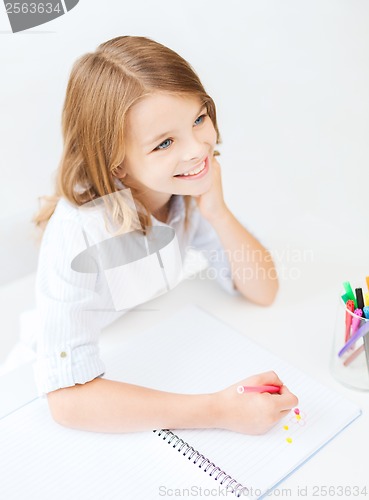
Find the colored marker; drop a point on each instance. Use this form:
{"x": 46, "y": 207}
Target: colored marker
{"x": 354, "y": 355}
{"x": 356, "y": 320}
{"x": 258, "y": 388}
{"x": 349, "y": 292}
{"x": 367, "y": 281}
{"x": 366, "y": 299}
{"x": 346, "y": 298}
{"x": 363, "y": 330}
{"x": 350, "y": 306}
{"x": 366, "y": 312}
{"x": 359, "y": 298}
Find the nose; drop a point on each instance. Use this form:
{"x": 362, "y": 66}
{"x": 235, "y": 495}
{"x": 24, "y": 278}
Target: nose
{"x": 194, "y": 150}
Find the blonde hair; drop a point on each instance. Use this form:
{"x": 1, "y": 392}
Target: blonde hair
{"x": 102, "y": 87}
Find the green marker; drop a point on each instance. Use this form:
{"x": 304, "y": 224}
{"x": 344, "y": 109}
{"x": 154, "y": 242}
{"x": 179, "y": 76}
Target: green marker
{"x": 349, "y": 292}
{"x": 345, "y": 297}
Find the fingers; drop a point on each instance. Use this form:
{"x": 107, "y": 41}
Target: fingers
{"x": 284, "y": 413}
{"x": 287, "y": 400}
{"x": 265, "y": 378}
{"x": 284, "y": 401}
{"x": 214, "y": 159}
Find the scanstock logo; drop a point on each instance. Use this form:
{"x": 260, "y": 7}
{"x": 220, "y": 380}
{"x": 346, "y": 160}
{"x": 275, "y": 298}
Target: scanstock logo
{"x": 25, "y": 15}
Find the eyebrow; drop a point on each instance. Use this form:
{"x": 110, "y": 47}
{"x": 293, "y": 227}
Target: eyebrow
{"x": 165, "y": 134}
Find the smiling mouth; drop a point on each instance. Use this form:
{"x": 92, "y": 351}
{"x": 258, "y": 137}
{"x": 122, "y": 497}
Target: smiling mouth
{"x": 194, "y": 171}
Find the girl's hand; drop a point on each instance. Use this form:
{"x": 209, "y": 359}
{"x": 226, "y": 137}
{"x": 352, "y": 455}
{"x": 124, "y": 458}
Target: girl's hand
{"x": 253, "y": 413}
{"x": 211, "y": 203}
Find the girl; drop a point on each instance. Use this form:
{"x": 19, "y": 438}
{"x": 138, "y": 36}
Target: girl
{"x": 136, "y": 119}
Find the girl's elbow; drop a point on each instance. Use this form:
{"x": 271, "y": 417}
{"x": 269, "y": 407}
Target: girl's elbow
{"x": 265, "y": 295}
{"x": 273, "y": 292}
{"x": 270, "y": 287}
{"x": 60, "y": 407}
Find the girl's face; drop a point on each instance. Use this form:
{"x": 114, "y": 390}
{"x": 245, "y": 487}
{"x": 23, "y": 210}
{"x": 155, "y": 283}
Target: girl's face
{"x": 168, "y": 136}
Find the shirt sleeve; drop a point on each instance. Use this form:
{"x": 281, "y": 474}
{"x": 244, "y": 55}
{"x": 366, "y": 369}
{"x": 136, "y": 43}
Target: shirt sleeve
{"x": 68, "y": 305}
{"x": 207, "y": 241}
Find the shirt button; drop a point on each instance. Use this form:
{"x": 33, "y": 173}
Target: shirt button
{"x": 63, "y": 354}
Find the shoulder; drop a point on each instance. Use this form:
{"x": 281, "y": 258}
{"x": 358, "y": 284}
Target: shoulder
{"x": 74, "y": 224}
{"x": 62, "y": 228}
{"x": 64, "y": 213}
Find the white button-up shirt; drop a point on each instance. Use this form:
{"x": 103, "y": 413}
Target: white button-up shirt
{"x": 73, "y": 306}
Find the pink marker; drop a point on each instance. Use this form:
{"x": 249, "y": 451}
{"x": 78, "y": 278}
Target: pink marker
{"x": 258, "y": 388}
{"x": 356, "y": 320}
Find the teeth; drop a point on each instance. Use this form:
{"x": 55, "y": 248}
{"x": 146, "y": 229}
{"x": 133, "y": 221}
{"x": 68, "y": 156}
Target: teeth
{"x": 196, "y": 171}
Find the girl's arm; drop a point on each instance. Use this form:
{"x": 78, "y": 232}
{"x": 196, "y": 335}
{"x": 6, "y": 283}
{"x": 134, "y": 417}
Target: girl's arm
{"x": 253, "y": 271}
{"x": 108, "y": 406}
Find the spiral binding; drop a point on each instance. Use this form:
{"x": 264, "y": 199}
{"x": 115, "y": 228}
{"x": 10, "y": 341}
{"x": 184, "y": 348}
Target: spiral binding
{"x": 195, "y": 457}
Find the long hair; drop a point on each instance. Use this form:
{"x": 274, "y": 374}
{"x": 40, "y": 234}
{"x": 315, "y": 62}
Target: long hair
{"x": 102, "y": 87}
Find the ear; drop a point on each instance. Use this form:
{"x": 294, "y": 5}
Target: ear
{"x": 119, "y": 171}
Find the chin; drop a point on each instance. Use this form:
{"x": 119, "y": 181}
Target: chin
{"x": 199, "y": 192}
{"x": 201, "y": 189}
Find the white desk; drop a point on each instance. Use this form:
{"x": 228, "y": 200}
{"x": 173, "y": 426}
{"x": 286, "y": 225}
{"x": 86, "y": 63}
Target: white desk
{"x": 294, "y": 328}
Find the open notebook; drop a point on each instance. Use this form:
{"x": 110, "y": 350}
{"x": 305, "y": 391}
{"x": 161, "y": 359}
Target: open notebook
{"x": 191, "y": 352}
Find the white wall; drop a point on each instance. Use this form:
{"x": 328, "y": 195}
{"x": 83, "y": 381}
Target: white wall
{"x": 291, "y": 83}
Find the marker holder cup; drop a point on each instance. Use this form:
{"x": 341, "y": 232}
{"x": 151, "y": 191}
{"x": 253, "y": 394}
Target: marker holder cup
{"x": 352, "y": 368}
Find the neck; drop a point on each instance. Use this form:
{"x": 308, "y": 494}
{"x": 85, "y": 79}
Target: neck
{"x": 161, "y": 211}
{"x": 157, "y": 203}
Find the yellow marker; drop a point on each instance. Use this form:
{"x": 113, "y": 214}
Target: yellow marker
{"x": 285, "y": 427}
{"x": 366, "y": 299}
{"x": 289, "y": 440}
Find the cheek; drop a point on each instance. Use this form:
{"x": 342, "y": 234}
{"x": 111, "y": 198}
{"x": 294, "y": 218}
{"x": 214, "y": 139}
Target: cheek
{"x": 210, "y": 133}
{"x": 157, "y": 169}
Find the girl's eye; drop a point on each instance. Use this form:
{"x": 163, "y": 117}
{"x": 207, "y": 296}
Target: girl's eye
{"x": 165, "y": 144}
{"x": 201, "y": 118}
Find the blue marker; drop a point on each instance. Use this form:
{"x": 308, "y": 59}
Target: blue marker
{"x": 366, "y": 312}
